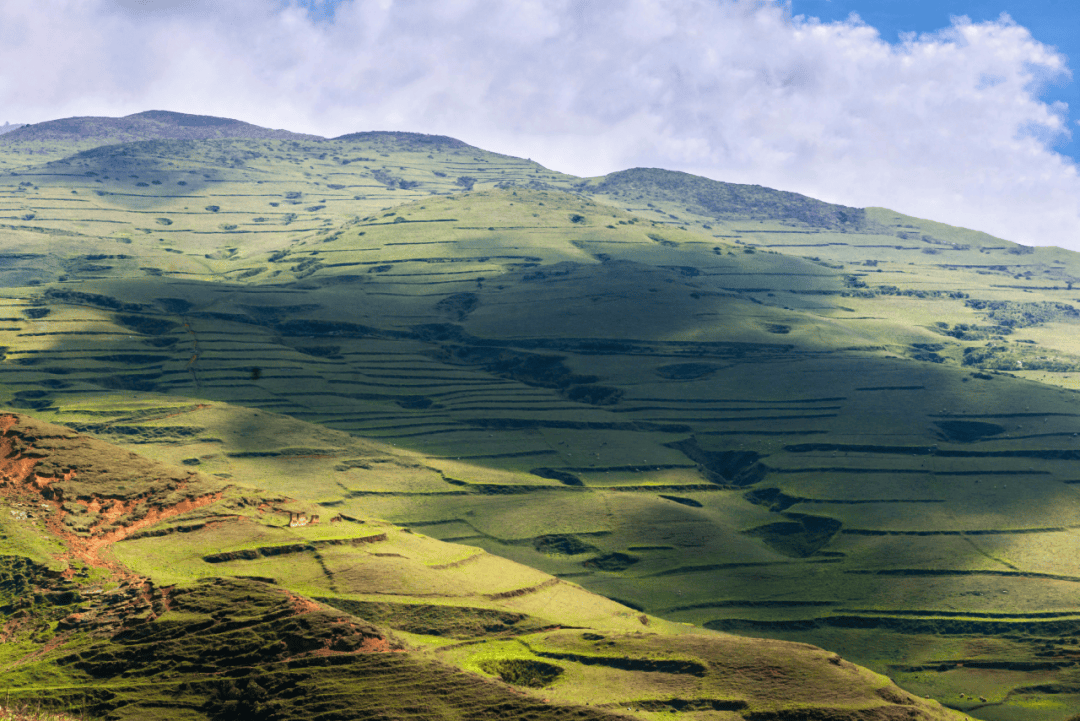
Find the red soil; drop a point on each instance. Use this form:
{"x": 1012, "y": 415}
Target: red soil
{"x": 19, "y": 483}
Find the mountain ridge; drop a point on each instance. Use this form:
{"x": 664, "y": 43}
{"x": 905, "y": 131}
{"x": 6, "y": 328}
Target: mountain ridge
{"x": 146, "y": 125}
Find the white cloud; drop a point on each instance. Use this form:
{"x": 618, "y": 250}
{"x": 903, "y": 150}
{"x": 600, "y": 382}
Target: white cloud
{"x": 947, "y": 126}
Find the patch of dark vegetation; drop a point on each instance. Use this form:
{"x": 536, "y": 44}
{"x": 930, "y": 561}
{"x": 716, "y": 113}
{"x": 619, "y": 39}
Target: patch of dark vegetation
{"x": 593, "y": 394}
{"x": 927, "y": 352}
{"x": 528, "y": 423}
{"x": 687, "y": 371}
{"x": 127, "y": 382}
{"x": 968, "y": 431}
{"x": 657, "y": 238}
{"x": 684, "y": 501}
{"x": 95, "y": 300}
{"x": 611, "y": 562}
{"x": 301, "y": 452}
{"x": 927, "y": 625}
{"x": 884, "y": 713}
{"x": 485, "y": 489}
{"x": 562, "y": 545}
{"x": 799, "y": 537}
{"x": 1016, "y": 314}
{"x": 523, "y": 671}
{"x": 737, "y": 468}
{"x": 625, "y": 663}
{"x": 332, "y": 329}
{"x": 628, "y": 604}
{"x": 461, "y": 622}
{"x": 533, "y": 369}
{"x": 147, "y": 324}
{"x": 141, "y": 434}
{"x": 36, "y": 313}
{"x": 131, "y": 358}
{"x": 415, "y": 402}
{"x": 683, "y": 705}
{"x": 183, "y": 528}
{"x": 906, "y": 293}
{"x": 26, "y": 584}
{"x": 1020, "y": 356}
{"x": 972, "y": 331}
{"x": 567, "y": 479}
{"x": 459, "y": 305}
{"x": 320, "y": 351}
{"x": 34, "y": 400}
{"x": 753, "y": 604}
{"x": 178, "y": 306}
{"x": 1049, "y": 454}
{"x": 772, "y": 498}
{"x": 778, "y": 328}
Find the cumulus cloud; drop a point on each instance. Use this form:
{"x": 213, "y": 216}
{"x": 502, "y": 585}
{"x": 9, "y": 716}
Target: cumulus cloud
{"x": 947, "y": 125}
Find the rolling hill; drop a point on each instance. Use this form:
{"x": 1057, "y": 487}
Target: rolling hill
{"x": 669, "y": 397}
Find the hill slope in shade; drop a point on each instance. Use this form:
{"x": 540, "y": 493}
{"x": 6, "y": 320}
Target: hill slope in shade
{"x": 253, "y": 616}
{"x": 724, "y": 405}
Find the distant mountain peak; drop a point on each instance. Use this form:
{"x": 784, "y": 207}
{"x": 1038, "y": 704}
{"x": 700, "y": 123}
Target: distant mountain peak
{"x": 405, "y": 140}
{"x": 147, "y": 125}
{"x": 732, "y": 201}
{"x": 188, "y": 120}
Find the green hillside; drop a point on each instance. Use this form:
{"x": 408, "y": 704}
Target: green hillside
{"x": 717, "y": 404}
{"x": 132, "y": 590}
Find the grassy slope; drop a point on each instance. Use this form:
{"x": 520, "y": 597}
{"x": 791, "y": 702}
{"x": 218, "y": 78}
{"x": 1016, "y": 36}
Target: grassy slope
{"x": 169, "y": 593}
{"x": 777, "y": 433}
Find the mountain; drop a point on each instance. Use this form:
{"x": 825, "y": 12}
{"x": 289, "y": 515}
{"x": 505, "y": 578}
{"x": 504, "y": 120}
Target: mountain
{"x": 149, "y": 125}
{"x": 714, "y": 404}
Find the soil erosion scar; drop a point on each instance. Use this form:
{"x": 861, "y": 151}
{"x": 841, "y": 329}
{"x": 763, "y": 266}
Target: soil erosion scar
{"x": 20, "y": 483}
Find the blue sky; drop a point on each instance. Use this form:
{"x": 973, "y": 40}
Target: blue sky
{"x": 942, "y": 110}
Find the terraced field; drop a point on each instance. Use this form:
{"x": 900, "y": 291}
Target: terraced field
{"x": 720, "y": 405}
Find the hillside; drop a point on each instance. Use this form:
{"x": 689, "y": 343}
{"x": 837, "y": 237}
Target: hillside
{"x": 716, "y": 404}
{"x": 257, "y": 615}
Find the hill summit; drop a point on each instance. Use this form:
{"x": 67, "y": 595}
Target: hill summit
{"x": 148, "y": 125}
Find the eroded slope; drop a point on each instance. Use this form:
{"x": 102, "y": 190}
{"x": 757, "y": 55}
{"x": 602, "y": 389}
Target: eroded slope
{"x": 123, "y": 621}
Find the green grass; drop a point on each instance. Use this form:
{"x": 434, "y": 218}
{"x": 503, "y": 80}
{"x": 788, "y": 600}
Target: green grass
{"x": 538, "y": 359}
{"x": 23, "y": 712}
